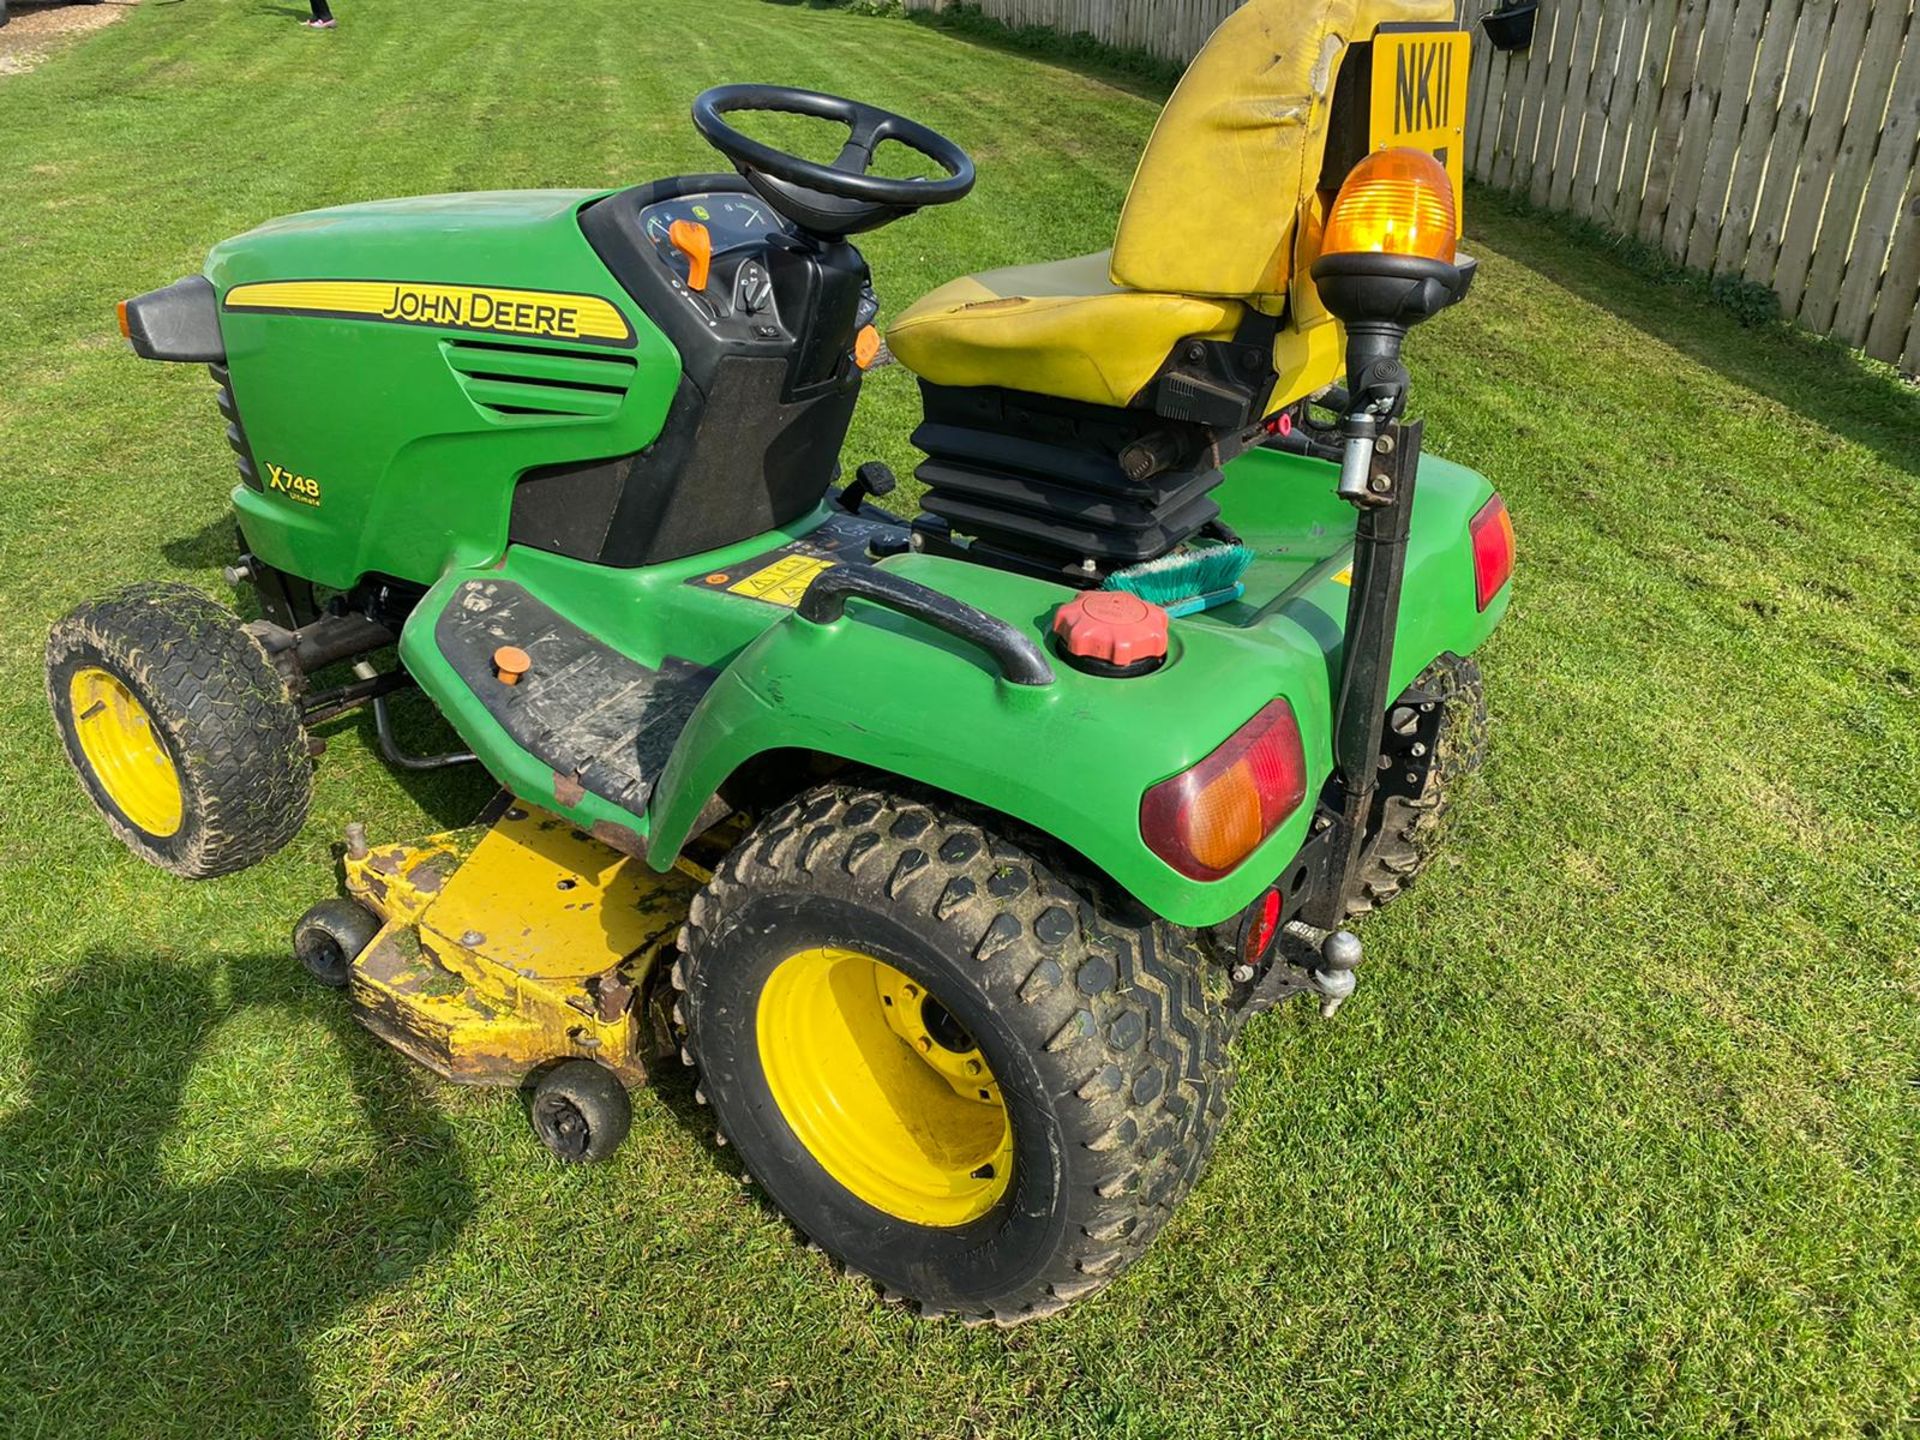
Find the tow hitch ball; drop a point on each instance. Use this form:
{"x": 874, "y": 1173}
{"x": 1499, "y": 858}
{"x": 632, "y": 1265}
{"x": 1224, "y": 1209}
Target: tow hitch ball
{"x": 1333, "y": 979}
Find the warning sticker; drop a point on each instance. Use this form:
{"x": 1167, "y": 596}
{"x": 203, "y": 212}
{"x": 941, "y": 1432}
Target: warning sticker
{"x": 1343, "y": 577}
{"x": 781, "y": 583}
{"x": 781, "y": 577}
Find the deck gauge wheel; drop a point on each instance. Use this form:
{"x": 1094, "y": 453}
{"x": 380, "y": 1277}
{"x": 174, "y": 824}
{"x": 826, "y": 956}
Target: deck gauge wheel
{"x": 580, "y": 1111}
{"x": 329, "y": 938}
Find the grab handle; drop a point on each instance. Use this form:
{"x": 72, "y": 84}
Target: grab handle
{"x": 1020, "y": 660}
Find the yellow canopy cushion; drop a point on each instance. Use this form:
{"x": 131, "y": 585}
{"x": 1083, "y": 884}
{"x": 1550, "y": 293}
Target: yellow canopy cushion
{"x": 1063, "y": 329}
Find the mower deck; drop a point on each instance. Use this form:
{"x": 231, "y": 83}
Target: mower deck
{"x": 506, "y": 947}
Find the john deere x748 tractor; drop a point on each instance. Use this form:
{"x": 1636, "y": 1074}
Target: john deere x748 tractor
{"x": 951, "y": 850}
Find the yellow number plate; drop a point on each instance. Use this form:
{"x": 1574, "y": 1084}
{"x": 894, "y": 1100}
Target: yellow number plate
{"x": 1420, "y": 95}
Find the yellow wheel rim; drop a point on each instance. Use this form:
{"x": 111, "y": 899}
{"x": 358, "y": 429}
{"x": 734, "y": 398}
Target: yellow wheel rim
{"x": 884, "y": 1088}
{"x": 125, "y": 752}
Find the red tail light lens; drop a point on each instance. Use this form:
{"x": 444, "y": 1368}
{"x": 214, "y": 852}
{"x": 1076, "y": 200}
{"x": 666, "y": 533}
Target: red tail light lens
{"x": 1206, "y": 820}
{"x": 1262, "y": 927}
{"x": 1492, "y": 531}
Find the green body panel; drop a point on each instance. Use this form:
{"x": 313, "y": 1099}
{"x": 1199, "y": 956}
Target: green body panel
{"x": 406, "y": 441}
{"x": 1073, "y": 758}
{"x": 412, "y": 471}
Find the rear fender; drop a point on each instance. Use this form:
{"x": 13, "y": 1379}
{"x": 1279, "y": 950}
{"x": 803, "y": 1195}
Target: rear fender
{"x": 1067, "y": 758}
{"x": 1074, "y": 758}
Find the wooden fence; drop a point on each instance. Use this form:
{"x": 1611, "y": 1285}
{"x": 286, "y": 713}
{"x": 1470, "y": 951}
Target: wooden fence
{"x": 1771, "y": 140}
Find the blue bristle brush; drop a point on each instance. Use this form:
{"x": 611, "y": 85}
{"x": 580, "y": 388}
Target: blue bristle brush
{"x": 1186, "y": 582}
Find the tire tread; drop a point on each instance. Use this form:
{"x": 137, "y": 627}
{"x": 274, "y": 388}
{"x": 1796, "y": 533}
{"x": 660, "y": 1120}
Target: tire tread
{"x": 1129, "y": 1020}
{"x": 232, "y": 726}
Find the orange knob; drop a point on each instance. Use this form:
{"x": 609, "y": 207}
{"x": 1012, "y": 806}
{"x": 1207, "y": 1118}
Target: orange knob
{"x": 510, "y": 662}
{"x": 692, "y": 240}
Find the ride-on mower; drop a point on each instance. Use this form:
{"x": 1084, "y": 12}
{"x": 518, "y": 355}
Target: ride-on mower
{"x": 951, "y": 851}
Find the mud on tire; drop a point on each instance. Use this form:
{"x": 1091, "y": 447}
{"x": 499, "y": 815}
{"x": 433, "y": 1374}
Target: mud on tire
{"x": 1105, "y": 1028}
{"x": 219, "y": 709}
{"x": 1410, "y": 828}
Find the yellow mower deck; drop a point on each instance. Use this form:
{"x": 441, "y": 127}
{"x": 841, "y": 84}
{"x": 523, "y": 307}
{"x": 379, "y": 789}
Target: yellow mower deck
{"x": 506, "y": 947}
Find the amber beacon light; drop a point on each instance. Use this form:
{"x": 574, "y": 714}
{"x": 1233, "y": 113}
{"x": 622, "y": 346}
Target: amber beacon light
{"x": 1388, "y": 261}
{"x": 1396, "y": 202}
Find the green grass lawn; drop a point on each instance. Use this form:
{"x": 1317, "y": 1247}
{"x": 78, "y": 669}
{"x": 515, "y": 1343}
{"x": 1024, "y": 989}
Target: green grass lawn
{"x": 1621, "y": 1134}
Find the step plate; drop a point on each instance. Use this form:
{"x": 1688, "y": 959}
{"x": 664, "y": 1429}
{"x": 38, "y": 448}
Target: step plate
{"x": 598, "y": 719}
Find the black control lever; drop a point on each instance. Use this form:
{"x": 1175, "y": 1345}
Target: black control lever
{"x": 870, "y": 481}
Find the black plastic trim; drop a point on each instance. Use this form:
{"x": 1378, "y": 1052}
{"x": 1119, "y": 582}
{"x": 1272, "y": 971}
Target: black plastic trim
{"x": 753, "y": 437}
{"x": 179, "y": 323}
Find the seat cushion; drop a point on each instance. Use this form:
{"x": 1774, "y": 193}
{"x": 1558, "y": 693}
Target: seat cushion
{"x": 1062, "y": 329}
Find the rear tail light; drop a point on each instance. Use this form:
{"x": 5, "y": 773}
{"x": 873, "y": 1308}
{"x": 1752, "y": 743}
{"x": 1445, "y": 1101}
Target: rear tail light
{"x": 1262, "y": 924}
{"x": 1492, "y": 531}
{"x": 1206, "y": 820}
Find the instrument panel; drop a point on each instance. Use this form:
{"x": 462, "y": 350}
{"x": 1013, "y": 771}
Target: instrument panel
{"x": 724, "y": 275}
{"x": 732, "y": 221}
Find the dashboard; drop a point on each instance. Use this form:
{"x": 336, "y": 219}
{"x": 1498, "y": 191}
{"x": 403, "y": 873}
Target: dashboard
{"x": 733, "y": 279}
{"x": 732, "y": 221}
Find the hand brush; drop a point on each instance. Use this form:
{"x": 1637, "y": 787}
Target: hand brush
{"x": 1186, "y": 582}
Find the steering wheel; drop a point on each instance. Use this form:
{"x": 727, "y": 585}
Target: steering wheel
{"x": 842, "y": 198}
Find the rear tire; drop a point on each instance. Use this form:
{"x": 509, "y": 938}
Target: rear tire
{"x": 1101, "y": 1033}
{"x": 1411, "y": 828}
{"x": 180, "y": 728}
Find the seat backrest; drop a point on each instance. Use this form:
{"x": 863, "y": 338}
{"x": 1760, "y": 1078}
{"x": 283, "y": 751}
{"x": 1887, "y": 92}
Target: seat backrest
{"x": 1236, "y": 154}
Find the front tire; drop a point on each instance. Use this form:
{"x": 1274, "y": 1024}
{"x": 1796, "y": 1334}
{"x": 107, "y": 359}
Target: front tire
{"x": 955, "y": 1065}
{"x": 180, "y": 728}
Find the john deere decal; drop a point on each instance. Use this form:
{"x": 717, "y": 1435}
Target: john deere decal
{"x": 542, "y": 314}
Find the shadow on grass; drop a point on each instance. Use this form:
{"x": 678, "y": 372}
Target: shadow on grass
{"x": 1794, "y": 367}
{"x": 137, "y": 1304}
{"x": 211, "y": 545}
{"x": 453, "y": 795}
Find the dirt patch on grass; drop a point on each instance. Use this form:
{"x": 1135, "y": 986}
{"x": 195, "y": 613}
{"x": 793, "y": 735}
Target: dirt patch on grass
{"x": 40, "y": 30}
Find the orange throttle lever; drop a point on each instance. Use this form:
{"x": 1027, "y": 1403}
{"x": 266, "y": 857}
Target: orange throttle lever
{"x": 692, "y": 240}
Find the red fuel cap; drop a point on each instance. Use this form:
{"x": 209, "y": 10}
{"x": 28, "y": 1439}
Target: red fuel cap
{"x": 1112, "y": 629}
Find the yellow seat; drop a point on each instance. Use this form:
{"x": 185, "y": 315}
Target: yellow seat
{"x": 1062, "y": 328}
{"x": 1220, "y": 219}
